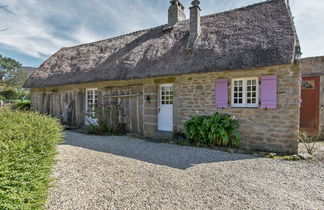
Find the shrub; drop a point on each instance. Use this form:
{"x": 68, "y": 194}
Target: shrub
{"x": 27, "y": 148}
{"x": 218, "y": 130}
{"x": 22, "y": 106}
{"x": 9, "y": 94}
{"x": 309, "y": 142}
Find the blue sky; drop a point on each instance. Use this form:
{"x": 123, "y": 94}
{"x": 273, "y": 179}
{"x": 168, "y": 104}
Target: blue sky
{"x": 38, "y": 28}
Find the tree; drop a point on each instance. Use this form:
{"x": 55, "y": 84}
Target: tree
{"x": 9, "y": 70}
{"x": 9, "y": 94}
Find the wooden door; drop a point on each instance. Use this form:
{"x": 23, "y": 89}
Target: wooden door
{"x": 309, "y": 113}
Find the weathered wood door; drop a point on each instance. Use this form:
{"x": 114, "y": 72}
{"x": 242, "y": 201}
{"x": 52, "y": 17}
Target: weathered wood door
{"x": 165, "y": 117}
{"x": 310, "y": 106}
{"x": 126, "y": 105}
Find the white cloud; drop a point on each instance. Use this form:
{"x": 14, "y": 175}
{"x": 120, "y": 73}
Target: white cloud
{"x": 309, "y": 19}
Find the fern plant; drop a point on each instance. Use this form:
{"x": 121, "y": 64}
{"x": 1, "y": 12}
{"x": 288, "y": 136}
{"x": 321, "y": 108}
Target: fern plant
{"x": 219, "y": 130}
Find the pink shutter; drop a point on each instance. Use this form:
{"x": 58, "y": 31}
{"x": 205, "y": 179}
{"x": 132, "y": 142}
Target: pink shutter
{"x": 221, "y": 93}
{"x": 269, "y": 92}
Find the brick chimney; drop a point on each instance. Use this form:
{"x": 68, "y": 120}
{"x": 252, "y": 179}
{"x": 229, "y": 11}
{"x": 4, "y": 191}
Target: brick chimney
{"x": 195, "y": 28}
{"x": 176, "y": 12}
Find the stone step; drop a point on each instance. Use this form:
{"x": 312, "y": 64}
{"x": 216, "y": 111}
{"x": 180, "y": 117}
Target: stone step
{"x": 163, "y": 135}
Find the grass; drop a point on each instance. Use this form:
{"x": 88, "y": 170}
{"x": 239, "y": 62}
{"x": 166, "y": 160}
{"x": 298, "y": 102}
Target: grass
{"x": 27, "y": 150}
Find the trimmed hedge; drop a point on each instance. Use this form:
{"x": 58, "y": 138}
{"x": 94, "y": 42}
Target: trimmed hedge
{"x": 27, "y": 149}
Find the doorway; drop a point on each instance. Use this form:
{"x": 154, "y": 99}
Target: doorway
{"x": 165, "y": 115}
{"x": 310, "y": 105}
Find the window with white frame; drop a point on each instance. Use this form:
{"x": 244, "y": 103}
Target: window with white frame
{"x": 245, "y": 92}
{"x": 92, "y": 100}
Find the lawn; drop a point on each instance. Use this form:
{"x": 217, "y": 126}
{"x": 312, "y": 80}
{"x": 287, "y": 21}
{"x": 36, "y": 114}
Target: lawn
{"x": 27, "y": 149}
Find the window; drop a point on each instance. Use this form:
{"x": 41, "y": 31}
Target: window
{"x": 310, "y": 84}
{"x": 166, "y": 95}
{"x": 92, "y": 100}
{"x": 245, "y": 92}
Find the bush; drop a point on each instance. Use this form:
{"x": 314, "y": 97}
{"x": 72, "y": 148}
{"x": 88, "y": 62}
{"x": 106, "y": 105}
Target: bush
{"x": 9, "y": 94}
{"x": 27, "y": 149}
{"x": 218, "y": 130}
{"x": 22, "y": 106}
{"x": 309, "y": 142}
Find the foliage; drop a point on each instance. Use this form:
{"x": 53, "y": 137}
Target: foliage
{"x": 27, "y": 148}
{"x": 8, "y": 67}
{"x": 180, "y": 138}
{"x": 22, "y": 106}
{"x": 218, "y": 130}
{"x": 309, "y": 142}
{"x": 101, "y": 126}
{"x": 9, "y": 93}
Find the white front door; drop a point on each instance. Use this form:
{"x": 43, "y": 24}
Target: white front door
{"x": 165, "y": 121}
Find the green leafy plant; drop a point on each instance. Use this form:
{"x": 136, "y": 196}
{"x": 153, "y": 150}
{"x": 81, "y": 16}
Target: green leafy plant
{"x": 27, "y": 149}
{"x": 218, "y": 130}
{"x": 180, "y": 138}
{"x": 309, "y": 142}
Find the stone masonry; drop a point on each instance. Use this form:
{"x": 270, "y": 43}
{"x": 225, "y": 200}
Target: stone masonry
{"x": 274, "y": 130}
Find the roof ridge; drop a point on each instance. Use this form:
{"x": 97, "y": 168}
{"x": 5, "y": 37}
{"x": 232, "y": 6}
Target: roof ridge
{"x": 113, "y": 38}
{"x": 161, "y": 26}
{"x": 240, "y": 8}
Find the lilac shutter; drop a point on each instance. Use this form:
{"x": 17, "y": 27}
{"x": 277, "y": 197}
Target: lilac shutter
{"x": 269, "y": 92}
{"x": 221, "y": 93}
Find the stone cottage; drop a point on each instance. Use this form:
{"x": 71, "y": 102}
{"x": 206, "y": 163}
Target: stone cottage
{"x": 243, "y": 62}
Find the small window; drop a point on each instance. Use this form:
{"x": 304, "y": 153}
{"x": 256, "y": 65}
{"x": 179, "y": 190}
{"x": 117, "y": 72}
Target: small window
{"x": 310, "y": 84}
{"x": 245, "y": 92}
{"x": 166, "y": 95}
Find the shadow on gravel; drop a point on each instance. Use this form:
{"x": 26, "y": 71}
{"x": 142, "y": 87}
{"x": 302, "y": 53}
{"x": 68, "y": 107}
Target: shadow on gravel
{"x": 174, "y": 156}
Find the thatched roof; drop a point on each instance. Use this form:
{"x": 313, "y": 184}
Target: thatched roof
{"x": 255, "y": 36}
{"x": 27, "y": 69}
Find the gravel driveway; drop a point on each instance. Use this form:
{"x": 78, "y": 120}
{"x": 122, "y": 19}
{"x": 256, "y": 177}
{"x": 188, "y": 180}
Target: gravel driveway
{"x": 126, "y": 173}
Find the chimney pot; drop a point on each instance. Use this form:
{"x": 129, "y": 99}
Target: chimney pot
{"x": 176, "y": 12}
{"x": 195, "y": 25}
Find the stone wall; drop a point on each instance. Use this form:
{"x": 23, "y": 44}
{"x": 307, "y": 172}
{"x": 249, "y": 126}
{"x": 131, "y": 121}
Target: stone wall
{"x": 315, "y": 67}
{"x": 275, "y": 130}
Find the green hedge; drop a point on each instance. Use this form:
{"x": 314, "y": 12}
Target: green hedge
{"x": 216, "y": 130}
{"x": 27, "y": 149}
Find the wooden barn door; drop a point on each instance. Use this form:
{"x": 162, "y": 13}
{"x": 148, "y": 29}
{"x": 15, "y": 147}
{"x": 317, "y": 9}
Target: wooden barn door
{"x": 126, "y": 105}
{"x": 309, "y": 113}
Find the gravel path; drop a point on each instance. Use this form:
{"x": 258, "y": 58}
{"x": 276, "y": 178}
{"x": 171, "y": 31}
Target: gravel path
{"x": 127, "y": 173}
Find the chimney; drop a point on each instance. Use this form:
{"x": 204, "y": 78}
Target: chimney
{"x": 176, "y": 12}
{"x": 195, "y": 28}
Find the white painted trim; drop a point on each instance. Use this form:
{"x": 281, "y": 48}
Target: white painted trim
{"x": 86, "y": 105}
{"x": 245, "y": 105}
{"x": 165, "y": 105}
